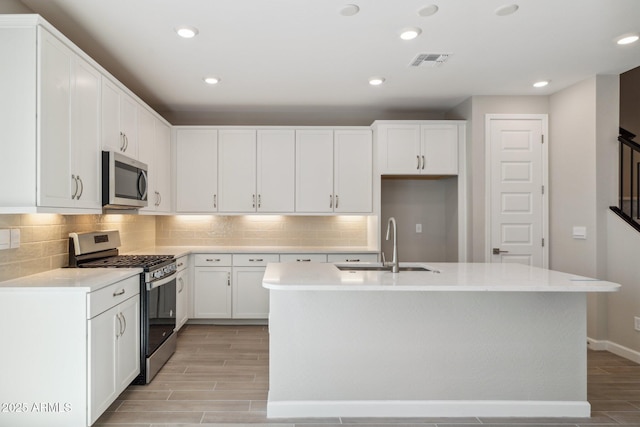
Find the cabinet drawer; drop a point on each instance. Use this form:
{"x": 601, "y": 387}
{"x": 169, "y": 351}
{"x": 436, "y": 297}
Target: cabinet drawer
{"x": 249, "y": 260}
{"x": 352, "y": 257}
{"x": 303, "y": 258}
{"x": 112, "y": 295}
{"x": 210, "y": 260}
{"x": 182, "y": 262}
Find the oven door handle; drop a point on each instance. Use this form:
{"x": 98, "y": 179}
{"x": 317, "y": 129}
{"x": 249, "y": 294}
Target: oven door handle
{"x": 163, "y": 281}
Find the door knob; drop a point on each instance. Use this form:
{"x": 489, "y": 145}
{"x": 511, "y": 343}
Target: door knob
{"x": 497, "y": 251}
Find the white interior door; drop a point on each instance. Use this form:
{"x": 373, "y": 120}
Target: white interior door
{"x": 516, "y": 187}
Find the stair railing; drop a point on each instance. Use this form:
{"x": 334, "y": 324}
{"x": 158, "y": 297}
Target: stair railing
{"x": 629, "y": 179}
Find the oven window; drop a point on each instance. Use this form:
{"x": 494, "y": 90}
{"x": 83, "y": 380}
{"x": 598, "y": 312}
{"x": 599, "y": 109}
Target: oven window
{"x": 161, "y": 315}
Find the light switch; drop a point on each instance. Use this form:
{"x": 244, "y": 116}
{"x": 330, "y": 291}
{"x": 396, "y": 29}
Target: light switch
{"x": 580, "y": 233}
{"x": 15, "y": 238}
{"x": 5, "y": 239}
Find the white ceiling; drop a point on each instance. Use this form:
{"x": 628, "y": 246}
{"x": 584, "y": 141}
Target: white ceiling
{"x": 292, "y": 55}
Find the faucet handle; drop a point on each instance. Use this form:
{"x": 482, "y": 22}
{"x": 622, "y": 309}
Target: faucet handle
{"x": 384, "y": 261}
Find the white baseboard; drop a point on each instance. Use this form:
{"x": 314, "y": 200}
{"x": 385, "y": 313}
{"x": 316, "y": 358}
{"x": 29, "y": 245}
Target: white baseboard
{"x": 427, "y": 408}
{"x": 614, "y": 348}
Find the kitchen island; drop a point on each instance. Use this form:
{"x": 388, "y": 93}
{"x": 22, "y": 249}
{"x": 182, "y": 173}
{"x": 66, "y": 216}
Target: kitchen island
{"x": 460, "y": 340}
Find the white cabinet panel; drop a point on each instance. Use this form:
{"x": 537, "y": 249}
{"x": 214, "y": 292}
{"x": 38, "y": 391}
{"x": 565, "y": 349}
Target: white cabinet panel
{"x": 314, "y": 171}
{"x": 212, "y": 293}
{"x": 353, "y": 176}
{"x": 237, "y": 170}
{"x": 102, "y": 364}
{"x": 154, "y": 149}
{"x": 399, "y": 148}
{"x": 276, "y": 170}
{"x": 119, "y": 120}
{"x": 182, "y": 297}
{"x": 196, "y": 170}
{"x": 128, "y": 356}
{"x": 440, "y": 149}
{"x": 250, "y": 299}
{"x": 69, "y": 123}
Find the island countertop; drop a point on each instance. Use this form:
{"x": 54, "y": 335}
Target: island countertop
{"x": 466, "y": 277}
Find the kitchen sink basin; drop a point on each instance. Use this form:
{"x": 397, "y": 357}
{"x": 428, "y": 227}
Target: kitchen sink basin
{"x": 377, "y": 268}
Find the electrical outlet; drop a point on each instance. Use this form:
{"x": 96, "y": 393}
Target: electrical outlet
{"x": 418, "y": 228}
{"x": 636, "y": 323}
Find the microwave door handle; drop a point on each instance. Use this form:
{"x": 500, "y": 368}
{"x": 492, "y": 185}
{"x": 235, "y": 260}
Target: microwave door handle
{"x": 142, "y": 191}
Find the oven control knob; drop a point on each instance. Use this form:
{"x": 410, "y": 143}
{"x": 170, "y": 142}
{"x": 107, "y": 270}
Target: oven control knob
{"x": 157, "y": 274}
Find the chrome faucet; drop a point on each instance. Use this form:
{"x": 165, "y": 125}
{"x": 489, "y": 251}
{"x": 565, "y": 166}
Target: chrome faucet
{"x": 394, "y": 262}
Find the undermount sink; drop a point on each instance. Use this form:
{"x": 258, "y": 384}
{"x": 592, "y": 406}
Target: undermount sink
{"x": 378, "y": 268}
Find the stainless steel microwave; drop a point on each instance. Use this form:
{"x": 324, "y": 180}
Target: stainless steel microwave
{"x": 124, "y": 182}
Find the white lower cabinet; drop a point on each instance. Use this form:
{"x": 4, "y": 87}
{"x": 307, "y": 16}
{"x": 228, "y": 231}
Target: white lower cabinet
{"x": 182, "y": 291}
{"x": 230, "y": 287}
{"x": 114, "y": 344}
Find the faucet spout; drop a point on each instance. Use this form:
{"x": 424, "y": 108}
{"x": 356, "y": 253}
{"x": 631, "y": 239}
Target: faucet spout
{"x": 395, "y": 268}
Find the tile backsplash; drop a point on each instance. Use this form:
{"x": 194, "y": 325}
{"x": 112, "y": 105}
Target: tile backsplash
{"x": 44, "y": 237}
{"x": 257, "y": 230}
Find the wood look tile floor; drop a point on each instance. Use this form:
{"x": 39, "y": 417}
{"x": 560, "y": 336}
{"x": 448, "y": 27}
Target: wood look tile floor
{"x": 219, "y": 376}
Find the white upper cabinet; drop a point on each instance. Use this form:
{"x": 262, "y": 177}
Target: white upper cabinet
{"x": 314, "y": 171}
{"x": 427, "y": 148}
{"x": 353, "y": 164}
{"x": 334, "y": 171}
{"x": 119, "y": 120}
{"x": 69, "y": 114}
{"x": 276, "y": 161}
{"x": 237, "y": 170}
{"x": 154, "y": 149}
{"x": 197, "y": 170}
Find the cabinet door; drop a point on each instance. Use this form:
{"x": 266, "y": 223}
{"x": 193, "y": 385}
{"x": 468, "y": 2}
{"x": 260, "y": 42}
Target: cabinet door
{"x": 56, "y": 182}
{"x": 399, "y": 149}
{"x": 182, "y": 298}
{"x": 129, "y": 125}
{"x": 237, "y": 170}
{"x": 250, "y": 299}
{"x": 353, "y": 179}
{"x": 212, "y": 293}
{"x": 276, "y": 164}
{"x": 162, "y": 163}
{"x": 111, "y": 133}
{"x": 128, "y": 348}
{"x": 146, "y": 154}
{"x": 196, "y": 170}
{"x": 314, "y": 171}
{"x": 440, "y": 149}
{"x": 85, "y": 133}
{"x": 103, "y": 386}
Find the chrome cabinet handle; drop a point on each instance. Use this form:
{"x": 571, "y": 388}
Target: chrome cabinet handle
{"x": 331, "y": 201}
{"x": 337, "y": 201}
{"x": 121, "y": 141}
{"x": 212, "y": 260}
{"x": 159, "y": 198}
{"x": 418, "y": 158}
{"x": 120, "y": 292}
{"x": 119, "y": 331}
{"x": 81, "y": 187}
{"x": 215, "y": 201}
{"x": 497, "y": 251}
{"x": 124, "y": 321}
{"x": 423, "y": 162}
{"x": 73, "y": 196}
{"x": 259, "y": 200}
{"x": 351, "y": 260}
{"x": 254, "y": 201}
{"x": 181, "y": 284}
{"x": 256, "y": 260}
{"x": 303, "y": 260}
{"x": 126, "y": 142}
{"x": 228, "y": 279}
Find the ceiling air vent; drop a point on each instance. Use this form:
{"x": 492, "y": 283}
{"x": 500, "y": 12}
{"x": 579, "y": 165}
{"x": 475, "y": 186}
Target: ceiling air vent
{"x": 429, "y": 59}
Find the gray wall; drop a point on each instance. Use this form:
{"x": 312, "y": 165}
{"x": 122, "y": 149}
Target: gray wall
{"x": 13, "y": 6}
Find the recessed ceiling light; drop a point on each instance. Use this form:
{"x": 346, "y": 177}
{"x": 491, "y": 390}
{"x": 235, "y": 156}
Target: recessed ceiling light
{"x": 376, "y": 81}
{"x": 187, "y": 32}
{"x": 349, "y": 10}
{"x": 410, "y": 33}
{"x": 432, "y": 9}
{"x": 212, "y": 80}
{"x": 541, "y": 83}
{"x": 506, "y": 9}
{"x": 627, "y": 39}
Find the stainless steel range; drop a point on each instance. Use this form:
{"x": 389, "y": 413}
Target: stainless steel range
{"x": 157, "y": 293}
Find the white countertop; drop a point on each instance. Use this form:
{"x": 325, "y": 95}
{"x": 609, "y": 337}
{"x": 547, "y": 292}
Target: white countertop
{"x": 451, "y": 277}
{"x": 179, "y": 251}
{"x": 74, "y": 279}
